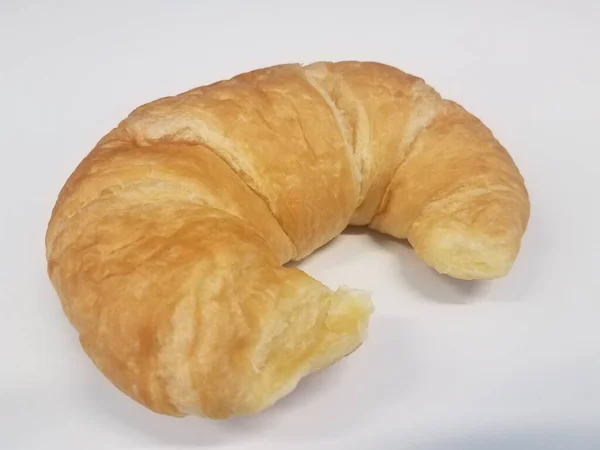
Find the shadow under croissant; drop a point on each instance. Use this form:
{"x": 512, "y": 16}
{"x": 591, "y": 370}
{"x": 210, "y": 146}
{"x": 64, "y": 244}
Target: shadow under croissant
{"x": 444, "y": 289}
{"x": 419, "y": 276}
{"x": 303, "y": 415}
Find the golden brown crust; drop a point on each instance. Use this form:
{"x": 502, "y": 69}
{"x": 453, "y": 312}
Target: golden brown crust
{"x": 278, "y": 134}
{"x": 384, "y": 109}
{"x": 165, "y": 245}
{"x": 121, "y": 174}
{"x": 458, "y": 198}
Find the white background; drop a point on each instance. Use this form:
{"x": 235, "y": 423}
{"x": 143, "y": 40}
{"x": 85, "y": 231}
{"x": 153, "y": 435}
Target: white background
{"x": 510, "y": 364}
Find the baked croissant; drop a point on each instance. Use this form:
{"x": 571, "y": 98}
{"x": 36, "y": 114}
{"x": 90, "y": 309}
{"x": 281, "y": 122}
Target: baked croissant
{"x": 166, "y": 244}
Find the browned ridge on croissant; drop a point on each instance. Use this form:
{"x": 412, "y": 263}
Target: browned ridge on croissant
{"x": 166, "y": 244}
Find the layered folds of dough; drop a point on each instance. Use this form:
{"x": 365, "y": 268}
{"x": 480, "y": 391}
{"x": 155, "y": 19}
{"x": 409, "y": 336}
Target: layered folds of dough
{"x": 166, "y": 244}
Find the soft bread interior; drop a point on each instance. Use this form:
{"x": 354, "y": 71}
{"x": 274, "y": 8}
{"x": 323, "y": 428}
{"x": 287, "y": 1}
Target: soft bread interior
{"x": 313, "y": 335}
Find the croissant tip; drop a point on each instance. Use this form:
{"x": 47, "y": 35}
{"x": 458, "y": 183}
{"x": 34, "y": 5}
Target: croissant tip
{"x": 467, "y": 257}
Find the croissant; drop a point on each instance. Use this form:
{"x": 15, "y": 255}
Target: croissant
{"x": 167, "y": 244}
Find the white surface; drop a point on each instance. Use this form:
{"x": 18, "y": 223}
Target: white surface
{"x": 510, "y": 364}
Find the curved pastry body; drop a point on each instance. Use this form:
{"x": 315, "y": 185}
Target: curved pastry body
{"x": 166, "y": 244}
